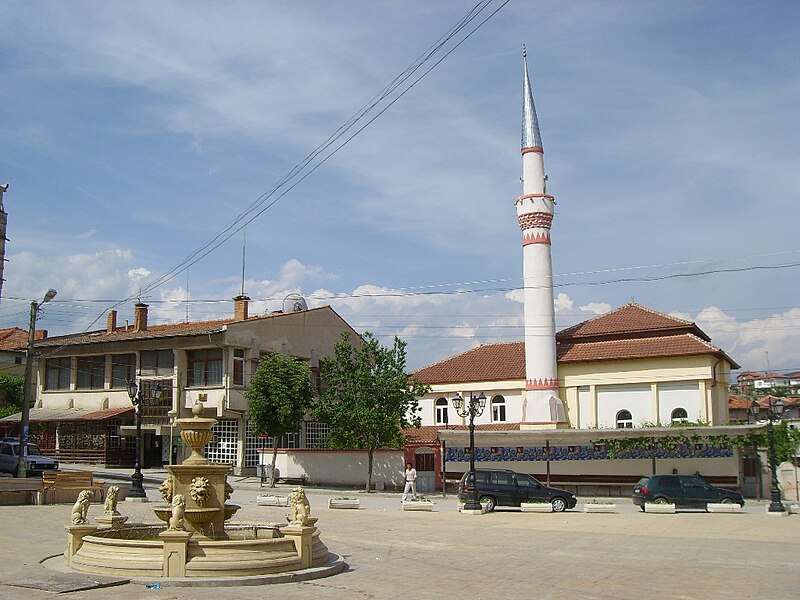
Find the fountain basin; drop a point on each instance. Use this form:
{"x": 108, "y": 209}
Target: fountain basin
{"x": 247, "y": 549}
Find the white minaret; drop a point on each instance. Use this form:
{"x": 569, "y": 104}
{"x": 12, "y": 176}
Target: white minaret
{"x": 535, "y": 215}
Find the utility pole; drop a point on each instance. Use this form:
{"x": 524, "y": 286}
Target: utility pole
{"x": 3, "y": 222}
{"x": 28, "y": 396}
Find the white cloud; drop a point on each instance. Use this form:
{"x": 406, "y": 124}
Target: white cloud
{"x": 563, "y": 303}
{"x": 596, "y": 308}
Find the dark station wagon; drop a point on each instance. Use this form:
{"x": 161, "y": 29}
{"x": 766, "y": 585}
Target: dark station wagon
{"x": 685, "y": 491}
{"x": 501, "y": 487}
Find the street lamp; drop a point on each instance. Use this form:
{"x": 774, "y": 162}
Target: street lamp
{"x": 27, "y": 397}
{"x": 474, "y": 408}
{"x": 171, "y": 414}
{"x": 136, "y": 395}
{"x": 774, "y": 414}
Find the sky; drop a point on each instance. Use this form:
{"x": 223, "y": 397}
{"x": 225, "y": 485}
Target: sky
{"x": 133, "y": 133}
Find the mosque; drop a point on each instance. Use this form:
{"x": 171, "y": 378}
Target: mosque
{"x": 549, "y": 399}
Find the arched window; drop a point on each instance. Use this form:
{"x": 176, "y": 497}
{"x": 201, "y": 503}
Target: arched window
{"x": 498, "y": 409}
{"x": 624, "y": 419}
{"x": 679, "y": 416}
{"x": 441, "y": 411}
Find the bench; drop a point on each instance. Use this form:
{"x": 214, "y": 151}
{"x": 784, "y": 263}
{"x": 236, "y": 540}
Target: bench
{"x": 33, "y": 487}
{"x": 55, "y": 481}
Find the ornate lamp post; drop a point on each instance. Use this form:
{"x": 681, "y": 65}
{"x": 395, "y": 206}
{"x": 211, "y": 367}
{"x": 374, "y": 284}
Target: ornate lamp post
{"x": 172, "y": 414}
{"x": 136, "y": 395}
{"x": 472, "y": 408}
{"x": 27, "y": 395}
{"x": 774, "y": 414}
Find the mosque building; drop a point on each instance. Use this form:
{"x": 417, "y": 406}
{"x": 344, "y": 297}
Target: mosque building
{"x": 632, "y": 372}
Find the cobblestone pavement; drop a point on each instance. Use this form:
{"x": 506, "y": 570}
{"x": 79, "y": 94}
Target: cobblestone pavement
{"x": 443, "y": 554}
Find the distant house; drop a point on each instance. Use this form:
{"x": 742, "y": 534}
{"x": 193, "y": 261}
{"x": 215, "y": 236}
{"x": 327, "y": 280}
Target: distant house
{"x": 83, "y": 412}
{"x": 760, "y": 383}
{"x": 13, "y": 344}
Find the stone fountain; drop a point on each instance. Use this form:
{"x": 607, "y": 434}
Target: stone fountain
{"x": 202, "y": 484}
{"x": 194, "y": 542}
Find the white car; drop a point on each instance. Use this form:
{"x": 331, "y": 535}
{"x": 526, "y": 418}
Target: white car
{"x": 36, "y": 463}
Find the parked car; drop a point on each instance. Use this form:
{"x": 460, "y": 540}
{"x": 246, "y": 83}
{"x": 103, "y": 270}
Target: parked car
{"x": 501, "y": 487}
{"x": 686, "y": 491}
{"x": 35, "y": 462}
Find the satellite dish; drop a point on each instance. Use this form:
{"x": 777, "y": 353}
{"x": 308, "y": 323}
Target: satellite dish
{"x": 294, "y": 303}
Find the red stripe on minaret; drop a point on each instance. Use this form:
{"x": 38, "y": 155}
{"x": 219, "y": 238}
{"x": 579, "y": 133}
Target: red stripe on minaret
{"x": 538, "y": 149}
{"x": 536, "y": 238}
{"x": 541, "y": 384}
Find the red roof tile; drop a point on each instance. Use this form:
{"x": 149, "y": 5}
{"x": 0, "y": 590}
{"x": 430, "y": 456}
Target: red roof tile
{"x": 13, "y": 338}
{"x": 154, "y": 331}
{"x": 430, "y": 433}
{"x": 491, "y": 362}
{"x": 629, "y": 320}
{"x": 685, "y": 344}
{"x": 631, "y": 332}
{"x": 763, "y": 401}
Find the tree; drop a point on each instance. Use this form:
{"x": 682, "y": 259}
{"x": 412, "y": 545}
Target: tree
{"x": 369, "y": 397}
{"x": 278, "y": 398}
{"x": 12, "y": 392}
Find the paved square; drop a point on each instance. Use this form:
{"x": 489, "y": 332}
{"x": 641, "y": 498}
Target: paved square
{"x": 506, "y": 554}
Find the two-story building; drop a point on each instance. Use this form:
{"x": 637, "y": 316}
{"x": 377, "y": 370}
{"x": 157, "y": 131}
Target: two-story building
{"x": 83, "y": 412}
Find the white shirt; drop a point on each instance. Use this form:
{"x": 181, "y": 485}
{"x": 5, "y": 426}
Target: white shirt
{"x": 411, "y": 474}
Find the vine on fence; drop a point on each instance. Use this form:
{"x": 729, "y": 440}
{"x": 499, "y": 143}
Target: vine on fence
{"x": 787, "y": 439}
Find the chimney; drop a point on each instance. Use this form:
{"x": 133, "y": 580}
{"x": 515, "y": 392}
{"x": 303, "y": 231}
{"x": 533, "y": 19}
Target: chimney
{"x": 240, "y": 307}
{"x": 40, "y": 334}
{"x": 140, "y": 317}
{"x": 111, "y": 322}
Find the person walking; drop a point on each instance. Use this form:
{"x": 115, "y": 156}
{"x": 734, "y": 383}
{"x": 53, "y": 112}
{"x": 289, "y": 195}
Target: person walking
{"x": 410, "y": 477}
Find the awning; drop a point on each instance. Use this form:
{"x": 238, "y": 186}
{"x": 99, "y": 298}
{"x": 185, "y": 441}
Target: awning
{"x": 50, "y": 415}
{"x": 576, "y": 437}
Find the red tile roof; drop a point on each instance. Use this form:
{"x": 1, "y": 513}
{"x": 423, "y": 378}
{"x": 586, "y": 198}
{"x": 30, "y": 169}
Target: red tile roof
{"x": 491, "y": 362}
{"x": 630, "y": 332}
{"x": 685, "y": 344}
{"x": 763, "y": 401}
{"x": 155, "y": 331}
{"x": 429, "y": 433}
{"x": 628, "y": 320}
{"x": 13, "y": 338}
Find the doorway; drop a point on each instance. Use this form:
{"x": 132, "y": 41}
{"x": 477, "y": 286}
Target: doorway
{"x": 425, "y": 464}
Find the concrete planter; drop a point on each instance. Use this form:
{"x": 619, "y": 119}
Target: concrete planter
{"x": 600, "y": 508}
{"x": 272, "y": 501}
{"x": 723, "y": 508}
{"x": 659, "y": 509}
{"x": 424, "y": 505}
{"x": 538, "y": 507}
{"x": 344, "y": 503}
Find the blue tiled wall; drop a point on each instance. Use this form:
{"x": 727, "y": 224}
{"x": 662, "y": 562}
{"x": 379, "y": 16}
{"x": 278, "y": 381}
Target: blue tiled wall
{"x": 586, "y": 452}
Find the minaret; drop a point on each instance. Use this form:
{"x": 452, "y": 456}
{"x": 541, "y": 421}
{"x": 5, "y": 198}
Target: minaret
{"x": 535, "y": 215}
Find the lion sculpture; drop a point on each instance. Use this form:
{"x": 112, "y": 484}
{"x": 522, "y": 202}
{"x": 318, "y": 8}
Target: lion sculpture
{"x": 199, "y": 490}
{"x": 301, "y": 509}
{"x": 178, "y": 511}
{"x": 81, "y": 508}
{"x": 167, "y": 489}
{"x": 110, "y": 506}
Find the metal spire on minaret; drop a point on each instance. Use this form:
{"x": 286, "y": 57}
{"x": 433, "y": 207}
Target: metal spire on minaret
{"x": 531, "y": 137}
{"x": 542, "y": 406}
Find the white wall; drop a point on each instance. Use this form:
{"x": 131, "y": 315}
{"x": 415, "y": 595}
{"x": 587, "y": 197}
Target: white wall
{"x": 634, "y": 398}
{"x": 342, "y": 467}
{"x": 513, "y": 398}
{"x": 679, "y": 395}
